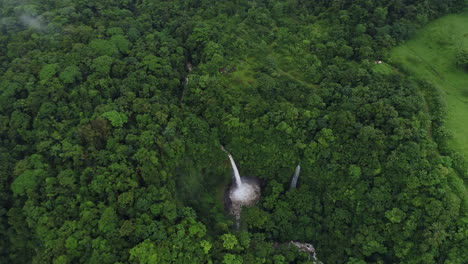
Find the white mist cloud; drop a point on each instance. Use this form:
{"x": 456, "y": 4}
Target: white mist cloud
{"x": 19, "y": 13}
{"x": 32, "y": 22}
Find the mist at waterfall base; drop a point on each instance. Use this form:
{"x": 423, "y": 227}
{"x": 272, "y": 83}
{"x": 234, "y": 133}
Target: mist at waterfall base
{"x": 244, "y": 195}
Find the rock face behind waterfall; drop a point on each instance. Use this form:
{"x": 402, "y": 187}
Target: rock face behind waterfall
{"x": 308, "y": 248}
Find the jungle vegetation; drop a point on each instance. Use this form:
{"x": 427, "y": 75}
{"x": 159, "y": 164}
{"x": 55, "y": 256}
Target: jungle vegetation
{"x": 108, "y": 156}
{"x": 438, "y": 54}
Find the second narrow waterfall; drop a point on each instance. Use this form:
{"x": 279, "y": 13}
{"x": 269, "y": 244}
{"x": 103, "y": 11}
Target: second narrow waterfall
{"x": 295, "y": 177}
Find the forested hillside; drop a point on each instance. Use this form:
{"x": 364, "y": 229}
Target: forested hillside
{"x": 112, "y": 114}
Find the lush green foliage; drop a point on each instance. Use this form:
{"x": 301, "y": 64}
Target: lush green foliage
{"x": 108, "y": 156}
{"x": 438, "y": 54}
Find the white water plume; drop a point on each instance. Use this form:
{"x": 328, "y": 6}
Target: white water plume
{"x": 236, "y": 172}
{"x": 246, "y": 194}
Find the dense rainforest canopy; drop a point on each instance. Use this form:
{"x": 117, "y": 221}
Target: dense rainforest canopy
{"x": 108, "y": 154}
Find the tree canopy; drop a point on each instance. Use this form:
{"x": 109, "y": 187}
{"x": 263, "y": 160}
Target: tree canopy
{"x": 108, "y": 154}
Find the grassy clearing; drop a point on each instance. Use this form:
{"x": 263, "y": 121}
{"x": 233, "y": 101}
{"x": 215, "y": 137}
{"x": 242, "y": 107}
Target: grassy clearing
{"x": 282, "y": 65}
{"x": 384, "y": 68}
{"x": 243, "y": 76}
{"x": 431, "y": 56}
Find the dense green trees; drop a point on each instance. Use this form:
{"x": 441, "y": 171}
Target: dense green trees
{"x": 106, "y": 156}
{"x": 462, "y": 59}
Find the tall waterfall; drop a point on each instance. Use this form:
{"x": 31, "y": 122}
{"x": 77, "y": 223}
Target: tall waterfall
{"x": 236, "y": 172}
{"x": 245, "y": 191}
{"x": 296, "y": 176}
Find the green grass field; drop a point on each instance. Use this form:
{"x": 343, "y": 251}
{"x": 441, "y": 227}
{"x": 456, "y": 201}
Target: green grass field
{"x": 430, "y": 55}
